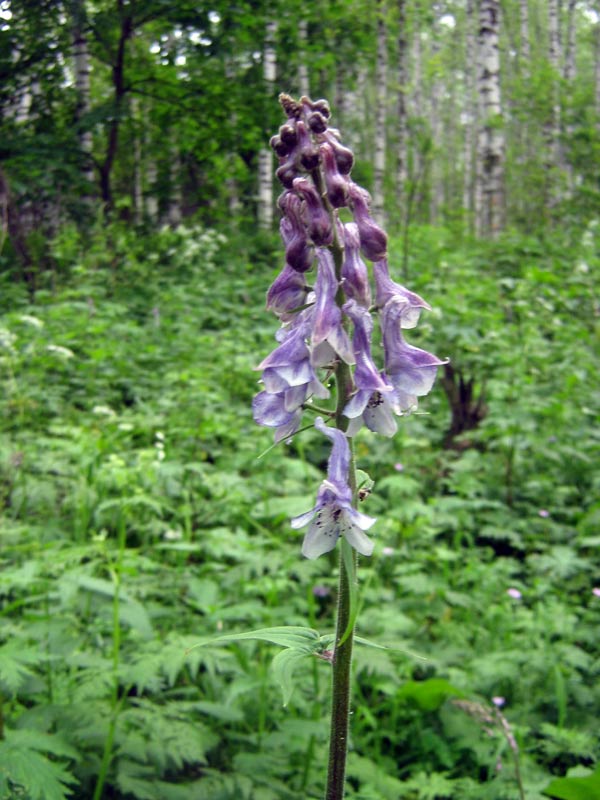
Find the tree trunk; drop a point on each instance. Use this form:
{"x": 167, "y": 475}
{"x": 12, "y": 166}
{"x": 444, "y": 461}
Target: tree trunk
{"x": 265, "y": 158}
{"x": 303, "y": 83}
{"x": 597, "y": 73}
{"x": 118, "y": 79}
{"x": 380, "y": 115}
{"x": 490, "y": 150}
{"x": 402, "y": 124}
{"x": 554, "y": 59}
{"x": 81, "y": 58}
{"x": 570, "y": 64}
{"x": 470, "y": 111}
{"x": 435, "y": 120}
{"x": 525, "y": 50}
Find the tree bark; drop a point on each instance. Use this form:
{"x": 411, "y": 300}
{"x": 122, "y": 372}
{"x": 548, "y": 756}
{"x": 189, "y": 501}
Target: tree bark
{"x": 525, "y": 50}
{"x": 570, "y": 63}
{"x": 81, "y": 58}
{"x": 402, "y": 124}
{"x": 490, "y": 150}
{"x": 597, "y": 73}
{"x": 470, "y": 111}
{"x": 303, "y": 83}
{"x": 380, "y": 115}
{"x": 265, "y": 158}
{"x": 118, "y": 79}
{"x": 554, "y": 59}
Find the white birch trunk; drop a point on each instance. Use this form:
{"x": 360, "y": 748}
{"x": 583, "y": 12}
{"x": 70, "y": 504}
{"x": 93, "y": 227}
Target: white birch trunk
{"x": 81, "y": 58}
{"x": 265, "y": 157}
{"x": 151, "y": 196}
{"x": 303, "y": 83}
{"x": 380, "y": 117}
{"x": 554, "y": 59}
{"x": 597, "y": 73}
{"x": 435, "y": 120}
{"x": 525, "y": 50}
{"x": 402, "y": 125}
{"x": 470, "y": 118}
{"x": 570, "y": 63}
{"x": 490, "y": 151}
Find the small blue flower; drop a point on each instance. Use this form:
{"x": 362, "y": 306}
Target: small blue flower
{"x": 333, "y": 514}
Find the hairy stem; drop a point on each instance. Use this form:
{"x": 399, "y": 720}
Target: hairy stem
{"x": 342, "y": 657}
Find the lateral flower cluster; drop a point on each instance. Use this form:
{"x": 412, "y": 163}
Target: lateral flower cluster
{"x": 330, "y": 320}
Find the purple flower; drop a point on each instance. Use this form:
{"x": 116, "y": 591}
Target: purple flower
{"x": 368, "y": 404}
{"x": 355, "y": 276}
{"x": 498, "y": 701}
{"x": 544, "y": 513}
{"x": 386, "y": 289}
{"x": 373, "y": 240}
{"x": 337, "y": 186}
{"x": 328, "y": 334}
{"x": 596, "y": 591}
{"x": 288, "y": 292}
{"x": 318, "y": 222}
{"x": 289, "y": 380}
{"x": 514, "y": 593}
{"x": 411, "y": 371}
{"x": 399, "y": 467}
{"x": 299, "y": 254}
{"x": 333, "y": 514}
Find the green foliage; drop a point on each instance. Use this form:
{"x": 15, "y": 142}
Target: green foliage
{"x": 138, "y": 521}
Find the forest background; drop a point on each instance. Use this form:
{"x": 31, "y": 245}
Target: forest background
{"x": 139, "y": 218}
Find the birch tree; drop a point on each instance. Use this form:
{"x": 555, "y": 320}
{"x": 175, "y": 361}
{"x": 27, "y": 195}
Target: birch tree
{"x": 470, "y": 115}
{"x": 524, "y": 52}
{"x": 490, "y": 147}
{"x": 380, "y": 115}
{"x": 402, "y": 120}
{"x": 265, "y": 158}
{"x": 81, "y": 59}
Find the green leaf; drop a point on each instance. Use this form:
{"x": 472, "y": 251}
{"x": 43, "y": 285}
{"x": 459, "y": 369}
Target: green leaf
{"x": 284, "y": 636}
{"x": 283, "y": 666}
{"x": 429, "y": 695}
{"x": 24, "y": 766}
{"x": 587, "y": 788}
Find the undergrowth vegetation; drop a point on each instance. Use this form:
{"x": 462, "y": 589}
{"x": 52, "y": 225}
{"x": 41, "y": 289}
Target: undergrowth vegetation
{"x": 144, "y": 512}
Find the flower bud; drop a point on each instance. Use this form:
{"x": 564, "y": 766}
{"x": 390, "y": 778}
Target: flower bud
{"x": 354, "y": 270}
{"x": 286, "y": 173}
{"x": 288, "y": 135}
{"x": 322, "y": 106}
{"x": 319, "y": 224}
{"x": 337, "y": 187}
{"x": 280, "y": 148}
{"x": 317, "y": 122}
{"x": 343, "y": 156}
{"x": 299, "y": 254}
{"x": 309, "y": 155}
{"x": 373, "y": 240}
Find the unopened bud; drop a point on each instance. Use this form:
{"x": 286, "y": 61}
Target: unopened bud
{"x": 309, "y": 155}
{"x": 280, "y": 148}
{"x": 317, "y": 123}
{"x": 337, "y": 186}
{"x": 288, "y": 134}
{"x": 343, "y": 156}
{"x": 322, "y": 106}
{"x": 286, "y": 174}
{"x": 373, "y": 241}
{"x": 319, "y": 224}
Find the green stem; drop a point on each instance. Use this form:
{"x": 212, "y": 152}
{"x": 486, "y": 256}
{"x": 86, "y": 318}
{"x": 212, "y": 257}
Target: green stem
{"x": 344, "y": 637}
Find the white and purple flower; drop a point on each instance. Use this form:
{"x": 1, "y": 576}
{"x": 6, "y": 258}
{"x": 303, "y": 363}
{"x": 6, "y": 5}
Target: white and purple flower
{"x": 333, "y": 514}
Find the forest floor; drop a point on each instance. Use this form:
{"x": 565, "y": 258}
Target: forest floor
{"x": 143, "y": 511}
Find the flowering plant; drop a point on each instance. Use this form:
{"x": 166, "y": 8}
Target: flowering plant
{"x": 324, "y": 349}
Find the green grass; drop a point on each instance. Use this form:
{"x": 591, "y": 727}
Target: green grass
{"x": 138, "y": 519}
